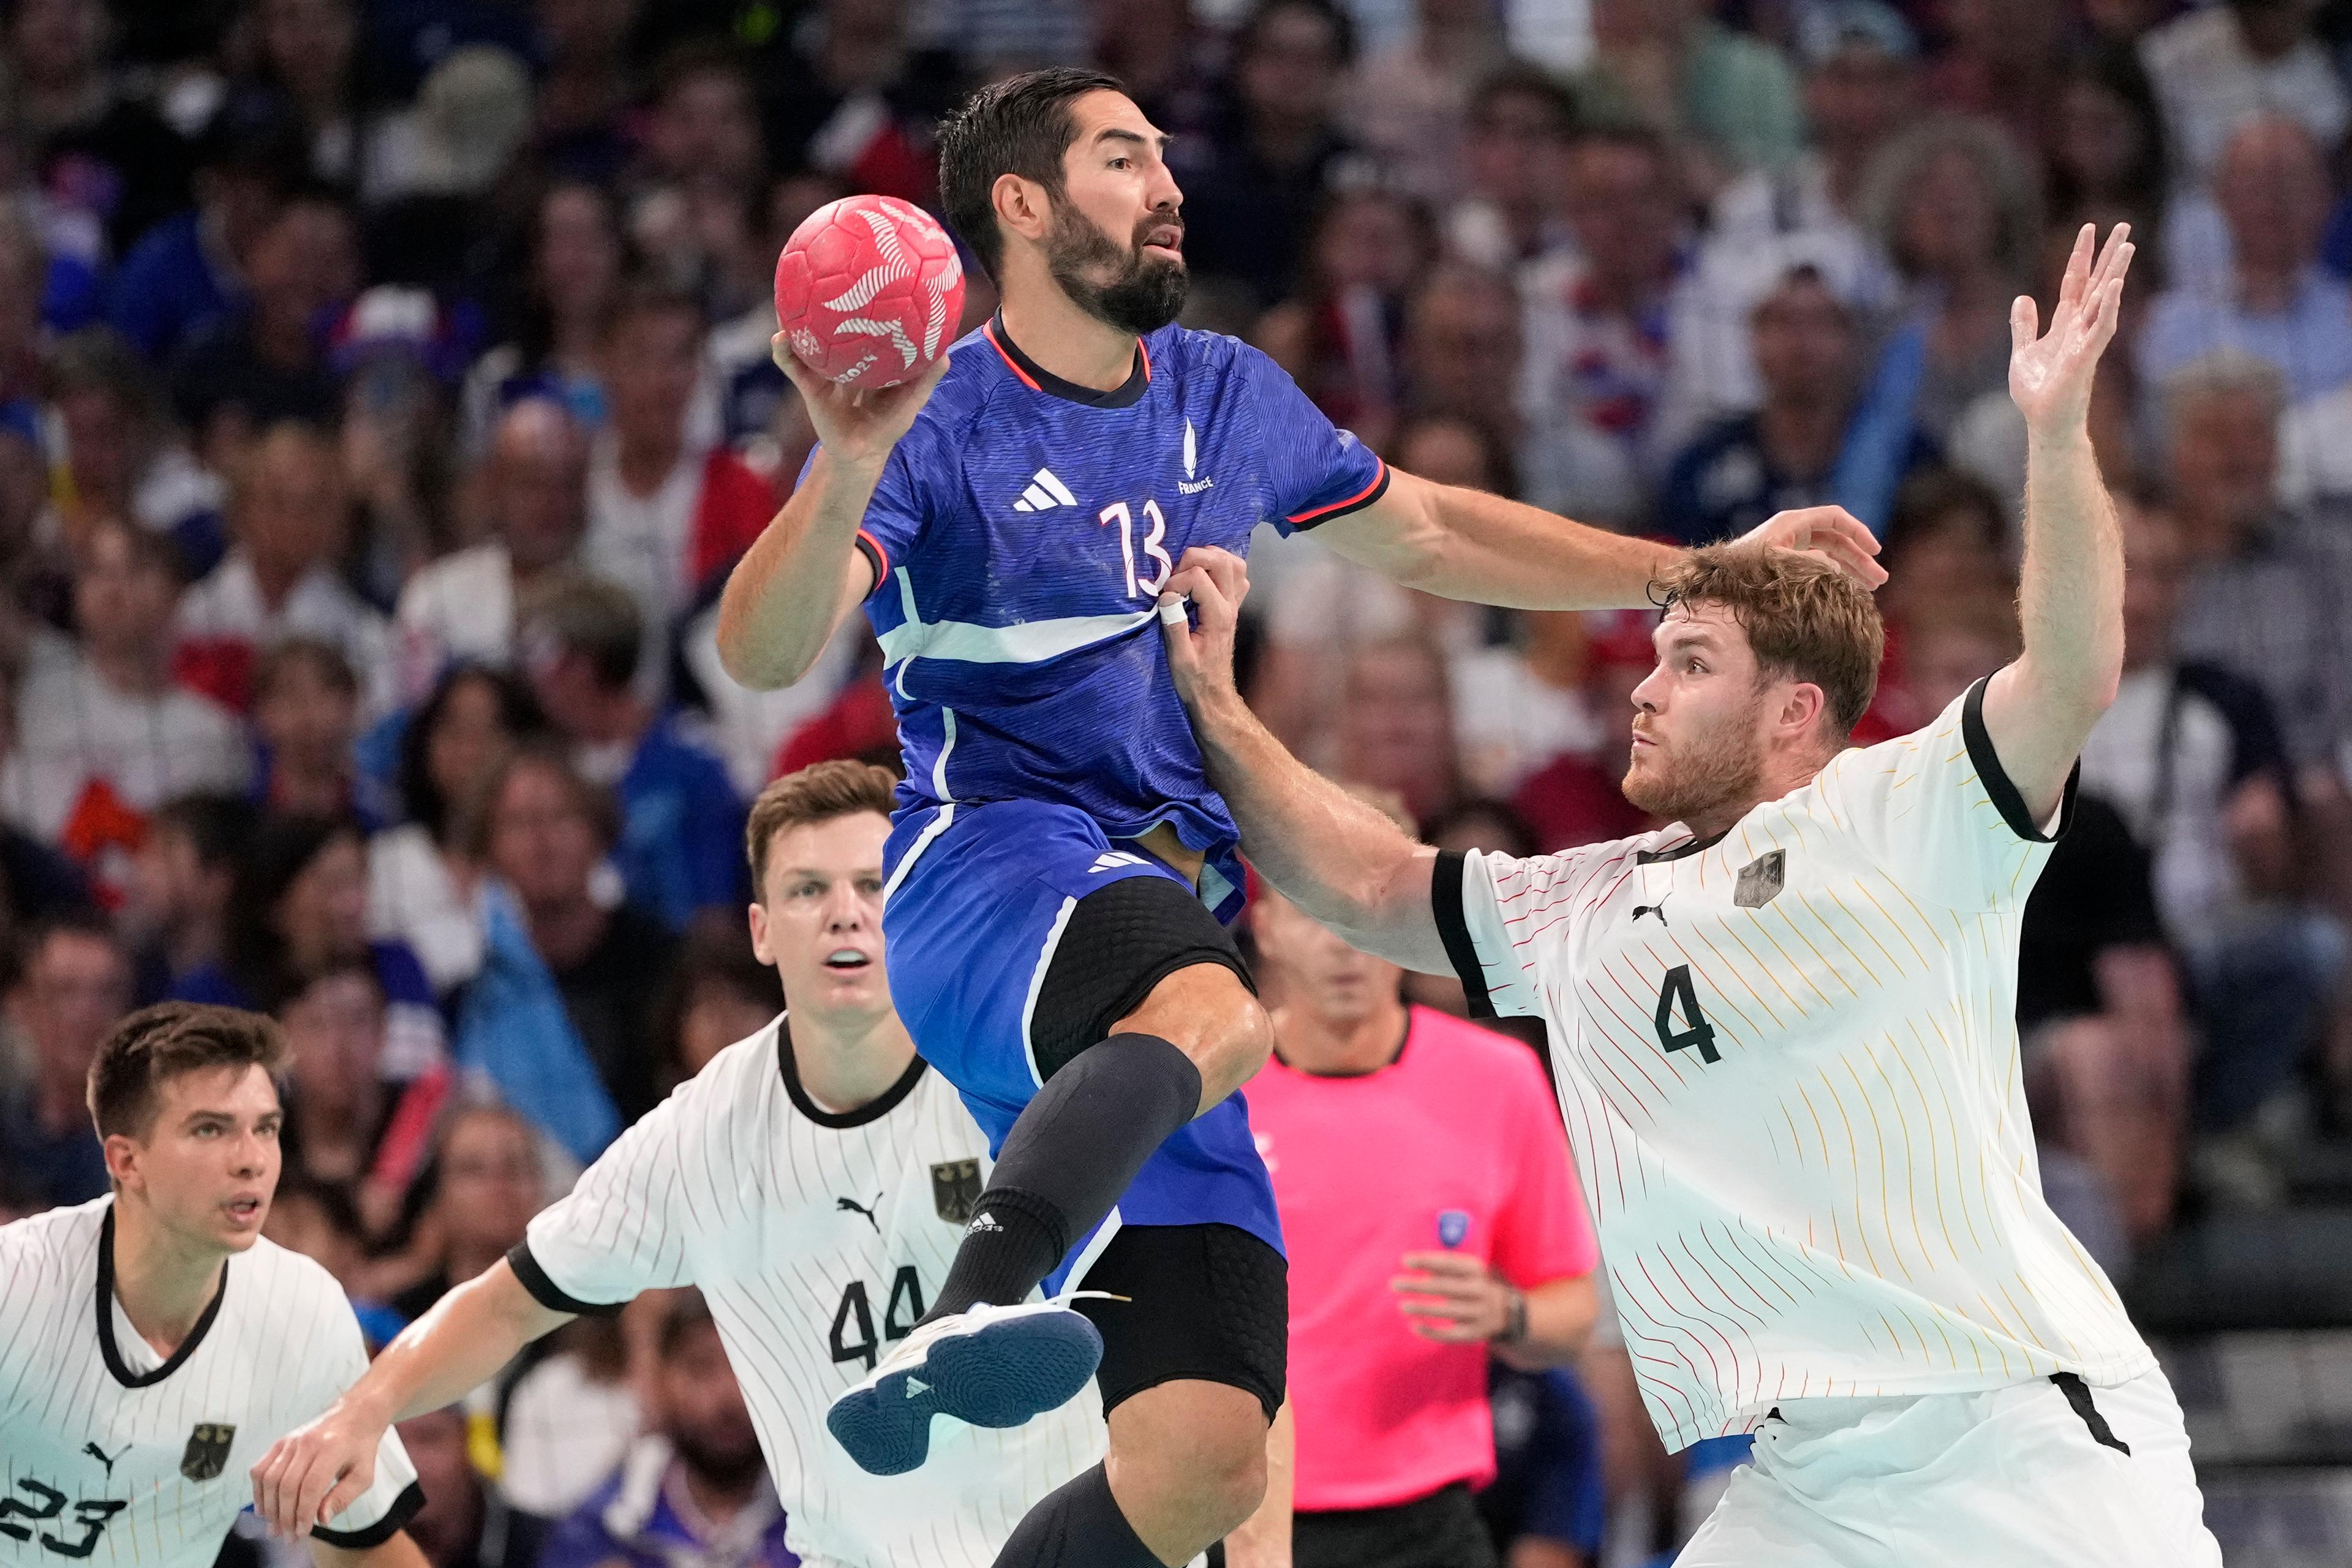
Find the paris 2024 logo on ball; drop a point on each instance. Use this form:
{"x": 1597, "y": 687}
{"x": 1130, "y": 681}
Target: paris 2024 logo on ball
{"x": 869, "y": 290}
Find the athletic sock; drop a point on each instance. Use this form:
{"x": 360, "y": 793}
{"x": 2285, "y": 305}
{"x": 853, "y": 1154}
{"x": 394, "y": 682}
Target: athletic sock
{"x": 1077, "y": 1526}
{"x": 1072, "y": 1153}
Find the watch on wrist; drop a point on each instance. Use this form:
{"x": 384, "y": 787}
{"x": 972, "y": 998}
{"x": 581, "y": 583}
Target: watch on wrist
{"x": 1515, "y": 1317}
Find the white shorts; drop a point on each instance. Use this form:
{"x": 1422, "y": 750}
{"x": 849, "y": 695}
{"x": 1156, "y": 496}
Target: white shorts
{"x": 2011, "y": 1477}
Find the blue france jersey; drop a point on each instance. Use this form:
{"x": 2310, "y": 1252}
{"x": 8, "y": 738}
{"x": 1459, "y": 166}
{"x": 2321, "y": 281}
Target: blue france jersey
{"x": 1020, "y": 537}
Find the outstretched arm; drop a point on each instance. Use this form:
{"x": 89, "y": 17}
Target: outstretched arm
{"x": 1463, "y": 543}
{"x": 2040, "y": 710}
{"x": 1335, "y": 857}
{"x": 313, "y": 1472}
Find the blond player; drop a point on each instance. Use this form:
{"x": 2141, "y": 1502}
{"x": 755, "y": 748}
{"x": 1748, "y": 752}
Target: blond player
{"x": 1783, "y": 1035}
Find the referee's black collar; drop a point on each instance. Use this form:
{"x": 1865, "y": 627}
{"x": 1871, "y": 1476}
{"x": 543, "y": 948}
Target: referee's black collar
{"x": 872, "y": 1110}
{"x": 110, "y": 1351}
{"x": 1038, "y": 378}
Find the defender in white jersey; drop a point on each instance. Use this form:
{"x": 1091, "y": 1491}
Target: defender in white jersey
{"x": 1784, "y": 1036}
{"x": 813, "y": 1181}
{"x": 153, "y": 1344}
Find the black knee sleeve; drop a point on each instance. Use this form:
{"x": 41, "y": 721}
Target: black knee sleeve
{"x": 1077, "y": 1526}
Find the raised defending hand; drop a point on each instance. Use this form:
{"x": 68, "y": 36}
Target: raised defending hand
{"x": 2050, "y": 373}
{"x": 1830, "y": 532}
{"x": 856, "y": 426}
{"x": 1201, "y": 656}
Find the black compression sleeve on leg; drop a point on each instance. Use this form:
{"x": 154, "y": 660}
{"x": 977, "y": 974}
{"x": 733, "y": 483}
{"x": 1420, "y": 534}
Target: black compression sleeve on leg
{"x": 1077, "y": 1526}
{"x": 1068, "y": 1157}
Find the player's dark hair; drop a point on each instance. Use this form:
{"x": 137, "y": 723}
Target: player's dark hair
{"x": 1805, "y": 619}
{"x": 817, "y": 794}
{"x": 158, "y": 1043}
{"x": 1021, "y": 126}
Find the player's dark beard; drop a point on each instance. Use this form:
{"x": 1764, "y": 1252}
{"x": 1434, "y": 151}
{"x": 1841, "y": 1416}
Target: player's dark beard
{"x": 713, "y": 1457}
{"x": 1705, "y": 774}
{"x": 1145, "y": 292}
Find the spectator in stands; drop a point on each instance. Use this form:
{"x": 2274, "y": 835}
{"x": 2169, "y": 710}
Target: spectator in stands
{"x": 190, "y": 270}
{"x": 24, "y": 273}
{"x": 1999, "y": 60}
{"x": 571, "y": 1415}
{"x": 73, "y": 980}
{"x": 1601, "y": 323}
{"x": 2193, "y": 757}
{"x": 1507, "y": 213}
{"x": 305, "y": 704}
{"x": 1955, "y": 209}
{"x": 1948, "y": 538}
{"x": 305, "y": 74}
{"x": 702, "y": 133}
{"x": 1252, "y": 182}
{"x": 464, "y": 1523}
{"x": 1547, "y": 1508}
{"x": 1420, "y": 1241}
{"x": 176, "y": 916}
{"x": 120, "y": 457}
{"x": 105, "y": 734}
{"x": 1326, "y": 606}
{"x": 570, "y": 278}
{"x": 2275, "y": 302}
{"x": 584, "y": 88}
{"x": 533, "y": 486}
{"x": 338, "y": 1112}
{"x": 1339, "y": 335}
{"x": 1732, "y": 100}
{"x": 488, "y": 1180}
{"x": 1394, "y": 727}
{"x": 87, "y": 135}
{"x": 289, "y": 514}
{"x": 694, "y": 1492}
{"x": 296, "y": 908}
{"x": 544, "y": 829}
{"x": 668, "y": 512}
{"x": 852, "y": 95}
{"x": 681, "y": 835}
{"x": 1809, "y": 443}
{"x": 2266, "y": 588}
{"x": 720, "y": 994}
{"x": 1464, "y": 353}
{"x": 421, "y": 874}
{"x": 2108, "y": 156}
{"x": 1407, "y": 104}
{"x": 2216, "y": 66}
{"x": 1578, "y": 797}
{"x": 265, "y": 362}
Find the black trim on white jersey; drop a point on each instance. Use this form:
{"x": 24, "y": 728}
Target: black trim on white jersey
{"x": 1445, "y": 904}
{"x": 1999, "y": 785}
{"x": 404, "y": 1508}
{"x": 872, "y": 1110}
{"x": 1680, "y": 851}
{"x": 107, "y": 1348}
{"x": 550, "y": 1295}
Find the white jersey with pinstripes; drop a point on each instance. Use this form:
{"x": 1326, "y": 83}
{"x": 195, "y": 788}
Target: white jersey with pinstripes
{"x": 1788, "y": 1061}
{"x": 114, "y": 1457}
{"x": 818, "y": 1238}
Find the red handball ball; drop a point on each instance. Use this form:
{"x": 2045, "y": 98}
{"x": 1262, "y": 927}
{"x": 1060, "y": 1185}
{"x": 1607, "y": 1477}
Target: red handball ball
{"x": 869, "y": 290}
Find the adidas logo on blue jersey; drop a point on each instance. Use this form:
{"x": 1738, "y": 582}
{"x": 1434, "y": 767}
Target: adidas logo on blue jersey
{"x": 1044, "y": 493}
{"x": 1114, "y": 860}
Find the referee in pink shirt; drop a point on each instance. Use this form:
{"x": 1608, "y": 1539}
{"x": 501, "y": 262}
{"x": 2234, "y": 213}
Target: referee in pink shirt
{"x": 1431, "y": 1218}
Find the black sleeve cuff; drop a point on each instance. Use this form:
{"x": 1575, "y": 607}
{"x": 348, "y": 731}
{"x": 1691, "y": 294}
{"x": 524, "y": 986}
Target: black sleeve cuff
{"x": 1453, "y": 931}
{"x": 1997, "y": 782}
{"x": 873, "y": 553}
{"x": 544, "y": 1290}
{"x": 404, "y": 1508}
{"x": 1316, "y": 517}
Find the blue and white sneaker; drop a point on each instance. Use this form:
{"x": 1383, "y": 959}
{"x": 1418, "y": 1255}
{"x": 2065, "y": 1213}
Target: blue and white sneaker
{"x": 992, "y": 1366}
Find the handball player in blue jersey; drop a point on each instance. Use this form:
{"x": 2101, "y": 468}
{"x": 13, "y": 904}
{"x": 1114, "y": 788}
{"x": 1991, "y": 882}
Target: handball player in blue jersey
{"x": 1060, "y": 869}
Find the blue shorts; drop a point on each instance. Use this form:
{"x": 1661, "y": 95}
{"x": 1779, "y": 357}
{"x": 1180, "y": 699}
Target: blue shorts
{"x": 977, "y": 899}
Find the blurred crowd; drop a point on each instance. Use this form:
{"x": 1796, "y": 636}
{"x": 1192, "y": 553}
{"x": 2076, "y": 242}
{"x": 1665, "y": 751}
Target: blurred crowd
{"x": 386, "y": 392}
